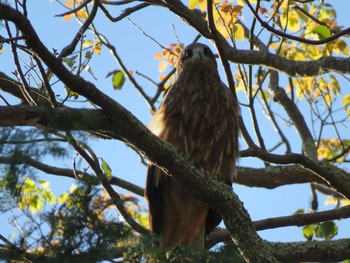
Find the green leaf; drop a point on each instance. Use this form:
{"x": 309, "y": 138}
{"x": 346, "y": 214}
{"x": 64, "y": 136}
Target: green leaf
{"x": 299, "y": 211}
{"x": 88, "y": 55}
{"x": 29, "y": 186}
{"x": 44, "y": 184}
{"x": 71, "y": 93}
{"x": 106, "y": 169}
{"x": 322, "y": 31}
{"x": 49, "y": 196}
{"x": 308, "y": 232}
{"x": 63, "y": 198}
{"x": 70, "y": 61}
{"x": 327, "y": 229}
{"x": 35, "y": 204}
{"x": 118, "y": 80}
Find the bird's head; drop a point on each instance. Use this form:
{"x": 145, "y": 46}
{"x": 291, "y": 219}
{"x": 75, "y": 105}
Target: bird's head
{"x": 196, "y": 54}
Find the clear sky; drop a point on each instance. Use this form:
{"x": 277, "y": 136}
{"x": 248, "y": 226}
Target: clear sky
{"x": 137, "y": 52}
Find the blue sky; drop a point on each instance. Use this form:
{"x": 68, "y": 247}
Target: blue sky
{"x": 137, "y": 52}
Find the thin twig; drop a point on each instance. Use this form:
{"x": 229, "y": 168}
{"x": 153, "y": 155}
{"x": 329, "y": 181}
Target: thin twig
{"x": 24, "y": 87}
{"x": 125, "y": 13}
{"x": 310, "y": 16}
{"x": 115, "y": 197}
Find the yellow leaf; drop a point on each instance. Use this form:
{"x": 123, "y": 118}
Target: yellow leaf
{"x": 345, "y": 202}
{"x": 67, "y": 17}
{"x": 238, "y": 31}
{"x": 192, "y": 4}
{"x": 222, "y": 29}
{"x": 162, "y": 66}
{"x": 158, "y": 55}
{"x": 343, "y": 47}
{"x": 97, "y": 48}
{"x": 69, "y": 3}
{"x": 82, "y": 14}
{"x": 334, "y": 84}
{"x": 328, "y": 98}
{"x": 63, "y": 198}
{"x": 87, "y": 43}
{"x": 346, "y": 101}
{"x": 28, "y": 186}
{"x": 73, "y": 188}
{"x": 203, "y": 5}
{"x": 323, "y": 152}
{"x": 291, "y": 20}
{"x": 331, "y": 201}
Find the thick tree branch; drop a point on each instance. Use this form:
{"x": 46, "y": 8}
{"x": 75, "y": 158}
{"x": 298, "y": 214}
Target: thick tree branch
{"x": 335, "y": 177}
{"x": 311, "y": 251}
{"x": 275, "y": 176}
{"x": 59, "y": 118}
{"x": 222, "y": 235}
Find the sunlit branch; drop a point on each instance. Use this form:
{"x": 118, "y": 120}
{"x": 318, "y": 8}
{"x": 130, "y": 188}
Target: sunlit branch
{"x": 222, "y": 235}
{"x": 299, "y": 39}
{"x": 295, "y": 115}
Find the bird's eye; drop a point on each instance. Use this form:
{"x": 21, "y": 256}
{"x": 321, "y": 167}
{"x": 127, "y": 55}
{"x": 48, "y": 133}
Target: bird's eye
{"x": 208, "y": 52}
{"x": 188, "y": 53}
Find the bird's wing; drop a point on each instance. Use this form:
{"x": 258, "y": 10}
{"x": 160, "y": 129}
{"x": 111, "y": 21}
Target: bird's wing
{"x": 153, "y": 193}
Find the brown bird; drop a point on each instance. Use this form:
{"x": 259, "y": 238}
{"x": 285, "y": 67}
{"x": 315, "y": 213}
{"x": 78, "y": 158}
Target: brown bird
{"x": 199, "y": 117}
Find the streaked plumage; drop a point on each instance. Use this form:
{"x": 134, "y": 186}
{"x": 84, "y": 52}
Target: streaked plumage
{"x": 199, "y": 117}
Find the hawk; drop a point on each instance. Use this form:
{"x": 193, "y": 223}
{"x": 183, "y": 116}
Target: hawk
{"x": 199, "y": 117}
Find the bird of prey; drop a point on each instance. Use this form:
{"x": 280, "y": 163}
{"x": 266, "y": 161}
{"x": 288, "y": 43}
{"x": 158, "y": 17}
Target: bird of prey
{"x": 199, "y": 117}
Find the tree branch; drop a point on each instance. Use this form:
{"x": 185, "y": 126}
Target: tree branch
{"x": 222, "y": 235}
{"x": 62, "y": 118}
{"x": 312, "y": 251}
{"x": 335, "y": 177}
